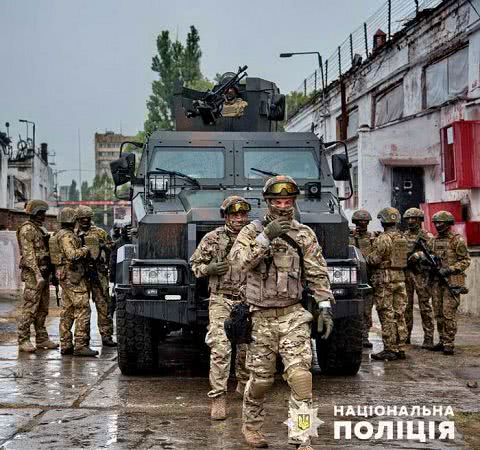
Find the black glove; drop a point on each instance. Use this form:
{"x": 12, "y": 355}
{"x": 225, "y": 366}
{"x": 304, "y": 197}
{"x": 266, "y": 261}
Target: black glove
{"x": 277, "y": 227}
{"x": 325, "y": 322}
{"x": 217, "y": 268}
{"x": 445, "y": 272}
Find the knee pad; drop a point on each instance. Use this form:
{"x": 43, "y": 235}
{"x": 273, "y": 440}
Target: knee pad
{"x": 260, "y": 386}
{"x": 300, "y": 381}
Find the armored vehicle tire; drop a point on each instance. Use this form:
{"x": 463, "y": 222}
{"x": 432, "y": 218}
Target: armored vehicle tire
{"x": 341, "y": 353}
{"x": 137, "y": 342}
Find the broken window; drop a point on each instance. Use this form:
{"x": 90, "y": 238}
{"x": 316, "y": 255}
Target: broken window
{"x": 389, "y": 105}
{"x": 447, "y": 78}
{"x": 352, "y": 124}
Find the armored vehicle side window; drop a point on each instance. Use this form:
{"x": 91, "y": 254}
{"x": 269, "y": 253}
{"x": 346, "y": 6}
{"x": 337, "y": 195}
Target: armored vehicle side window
{"x": 298, "y": 163}
{"x": 198, "y": 162}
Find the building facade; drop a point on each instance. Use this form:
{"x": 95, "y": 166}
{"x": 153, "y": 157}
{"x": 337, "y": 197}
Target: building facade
{"x": 107, "y": 149}
{"x": 413, "y": 120}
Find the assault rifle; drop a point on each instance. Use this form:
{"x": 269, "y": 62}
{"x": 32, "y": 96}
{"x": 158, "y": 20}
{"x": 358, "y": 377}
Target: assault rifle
{"x": 51, "y": 275}
{"x": 434, "y": 265}
{"x": 209, "y": 107}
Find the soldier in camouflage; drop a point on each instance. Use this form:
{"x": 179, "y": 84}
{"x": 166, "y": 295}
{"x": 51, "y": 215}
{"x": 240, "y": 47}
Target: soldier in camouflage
{"x": 233, "y": 105}
{"x": 269, "y": 252}
{"x": 69, "y": 256}
{"x": 389, "y": 258}
{"x": 452, "y": 252}
{"x": 416, "y": 280}
{"x": 100, "y": 244}
{"x": 226, "y": 288}
{"x": 363, "y": 239}
{"x": 35, "y": 267}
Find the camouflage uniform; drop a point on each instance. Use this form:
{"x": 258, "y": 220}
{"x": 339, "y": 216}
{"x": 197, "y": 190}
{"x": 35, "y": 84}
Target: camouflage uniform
{"x": 34, "y": 265}
{"x": 234, "y": 108}
{"x": 280, "y": 324}
{"x": 388, "y": 257}
{"x": 75, "y": 303}
{"x": 225, "y": 291}
{"x": 100, "y": 244}
{"x": 453, "y": 253}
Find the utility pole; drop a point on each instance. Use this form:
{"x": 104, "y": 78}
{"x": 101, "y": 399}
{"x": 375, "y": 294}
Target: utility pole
{"x": 79, "y": 167}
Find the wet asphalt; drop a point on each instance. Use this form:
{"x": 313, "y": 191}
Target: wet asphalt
{"x": 52, "y": 402}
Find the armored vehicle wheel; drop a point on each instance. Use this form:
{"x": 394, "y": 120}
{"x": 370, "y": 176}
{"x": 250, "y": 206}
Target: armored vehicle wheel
{"x": 137, "y": 342}
{"x": 341, "y": 353}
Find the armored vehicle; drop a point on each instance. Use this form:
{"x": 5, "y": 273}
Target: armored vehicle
{"x": 181, "y": 180}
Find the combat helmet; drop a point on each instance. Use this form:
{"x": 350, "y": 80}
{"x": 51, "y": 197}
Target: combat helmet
{"x": 66, "y": 215}
{"x": 443, "y": 216}
{"x": 234, "y": 203}
{"x": 280, "y": 186}
{"x": 35, "y": 206}
{"x": 414, "y": 212}
{"x": 361, "y": 214}
{"x": 84, "y": 211}
{"x": 389, "y": 215}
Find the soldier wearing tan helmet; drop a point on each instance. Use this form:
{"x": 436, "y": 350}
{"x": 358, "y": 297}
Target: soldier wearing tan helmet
{"x": 363, "y": 239}
{"x": 100, "y": 245}
{"x": 389, "y": 258}
{"x": 452, "y": 251}
{"x": 36, "y": 270}
{"x": 69, "y": 257}
{"x": 278, "y": 255}
{"x": 416, "y": 280}
{"x": 226, "y": 288}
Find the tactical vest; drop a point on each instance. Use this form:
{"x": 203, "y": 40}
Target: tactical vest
{"x": 363, "y": 241}
{"x": 231, "y": 282}
{"x": 398, "y": 257}
{"x": 277, "y": 280}
{"x": 56, "y": 254}
{"x": 70, "y": 271}
{"x": 412, "y": 238}
{"x": 40, "y": 244}
{"x": 445, "y": 249}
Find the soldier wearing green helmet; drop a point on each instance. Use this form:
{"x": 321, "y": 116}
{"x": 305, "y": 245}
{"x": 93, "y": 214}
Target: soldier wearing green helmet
{"x": 100, "y": 245}
{"x": 389, "y": 258}
{"x": 363, "y": 239}
{"x": 226, "y": 288}
{"x": 451, "y": 250}
{"x": 36, "y": 270}
{"x": 69, "y": 256}
{"x": 278, "y": 254}
{"x": 416, "y": 280}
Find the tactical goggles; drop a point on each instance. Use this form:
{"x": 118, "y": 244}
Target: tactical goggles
{"x": 238, "y": 207}
{"x": 279, "y": 188}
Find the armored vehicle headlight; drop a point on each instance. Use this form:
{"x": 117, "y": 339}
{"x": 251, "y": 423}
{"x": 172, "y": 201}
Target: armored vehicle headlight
{"x": 342, "y": 275}
{"x": 154, "y": 275}
{"x": 158, "y": 184}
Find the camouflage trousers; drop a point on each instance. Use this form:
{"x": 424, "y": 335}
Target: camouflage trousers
{"x": 75, "y": 309}
{"x": 445, "y": 307}
{"x": 284, "y": 332}
{"x": 101, "y": 297}
{"x": 419, "y": 283}
{"x": 220, "y": 347}
{"x": 367, "y": 314}
{"x": 34, "y": 309}
{"x": 391, "y": 300}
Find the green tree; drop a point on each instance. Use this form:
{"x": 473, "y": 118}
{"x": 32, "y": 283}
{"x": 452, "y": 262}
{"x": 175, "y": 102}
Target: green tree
{"x": 73, "y": 193}
{"x": 85, "y": 190}
{"x": 173, "y": 61}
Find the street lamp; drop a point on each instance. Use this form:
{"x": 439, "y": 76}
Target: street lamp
{"x": 33, "y": 123}
{"x": 320, "y": 63}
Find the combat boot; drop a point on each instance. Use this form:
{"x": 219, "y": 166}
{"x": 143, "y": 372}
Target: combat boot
{"x": 67, "y": 351}
{"x": 108, "y": 342}
{"x": 27, "y": 347}
{"x": 401, "y": 355}
{"x": 219, "y": 408}
{"x": 385, "y": 356}
{"x": 84, "y": 351}
{"x": 427, "y": 344}
{"x": 240, "y": 390}
{"x": 448, "y": 351}
{"x": 254, "y": 438}
{"x": 366, "y": 343}
{"x": 437, "y": 347}
{"x": 47, "y": 345}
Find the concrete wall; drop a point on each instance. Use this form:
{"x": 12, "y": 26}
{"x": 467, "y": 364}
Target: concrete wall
{"x": 470, "y": 303}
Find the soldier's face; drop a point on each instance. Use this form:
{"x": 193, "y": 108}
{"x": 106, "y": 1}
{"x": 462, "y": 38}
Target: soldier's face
{"x": 40, "y": 216}
{"x": 362, "y": 225}
{"x": 237, "y": 220}
{"x": 85, "y": 222}
{"x": 282, "y": 203}
{"x": 230, "y": 94}
{"x": 413, "y": 223}
{"x": 442, "y": 227}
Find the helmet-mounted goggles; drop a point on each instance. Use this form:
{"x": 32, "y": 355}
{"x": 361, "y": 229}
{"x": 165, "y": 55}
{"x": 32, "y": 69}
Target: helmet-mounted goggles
{"x": 284, "y": 188}
{"x": 238, "y": 207}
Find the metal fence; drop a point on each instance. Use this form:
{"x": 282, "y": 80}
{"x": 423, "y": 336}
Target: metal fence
{"x": 390, "y": 18}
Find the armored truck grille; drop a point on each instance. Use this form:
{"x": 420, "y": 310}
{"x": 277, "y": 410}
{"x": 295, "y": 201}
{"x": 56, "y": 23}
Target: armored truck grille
{"x": 333, "y": 239}
{"x": 162, "y": 241}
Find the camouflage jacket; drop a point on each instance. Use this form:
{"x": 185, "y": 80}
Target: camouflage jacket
{"x": 364, "y": 241}
{"x": 73, "y": 255}
{"x": 274, "y": 274}
{"x": 33, "y": 244}
{"x": 234, "y": 108}
{"x": 215, "y": 246}
{"x": 100, "y": 245}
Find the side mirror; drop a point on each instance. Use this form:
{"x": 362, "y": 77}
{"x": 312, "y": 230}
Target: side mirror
{"x": 123, "y": 169}
{"x": 276, "y": 108}
{"x": 340, "y": 167}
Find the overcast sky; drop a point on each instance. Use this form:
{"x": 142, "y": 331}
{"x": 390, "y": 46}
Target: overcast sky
{"x": 85, "y": 65}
